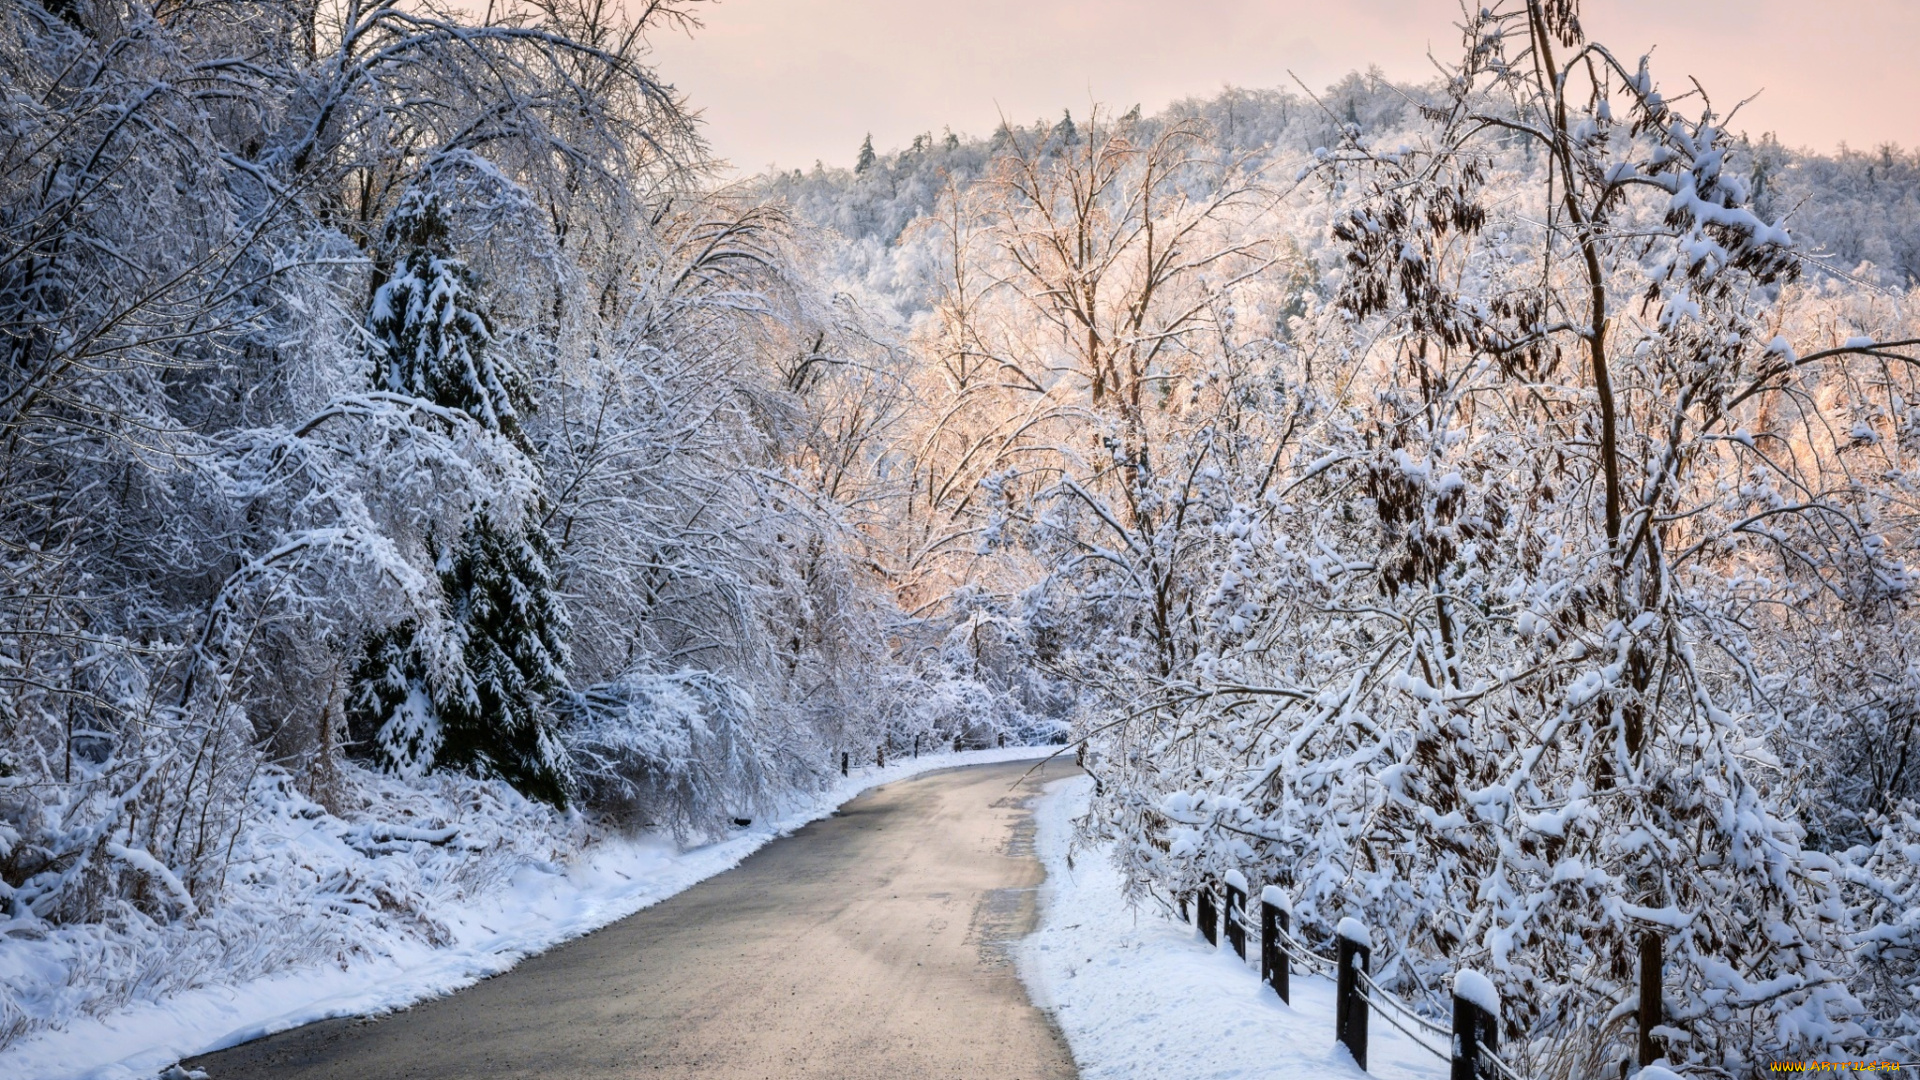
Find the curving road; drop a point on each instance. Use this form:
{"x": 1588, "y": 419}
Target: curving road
{"x": 869, "y": 944}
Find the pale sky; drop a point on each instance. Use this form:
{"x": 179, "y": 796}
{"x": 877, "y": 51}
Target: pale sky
{"x": 783, "y": 82}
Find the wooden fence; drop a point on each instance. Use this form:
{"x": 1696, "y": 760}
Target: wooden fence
{"x": 1474, "y": 1035}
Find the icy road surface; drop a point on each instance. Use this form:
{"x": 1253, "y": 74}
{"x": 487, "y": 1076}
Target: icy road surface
{"x": 873, "y": 943}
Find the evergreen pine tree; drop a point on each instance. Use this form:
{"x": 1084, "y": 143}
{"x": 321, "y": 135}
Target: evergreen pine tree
{"x": 865, "y": 160}
{"x": 484, "y": 710}
{"x": 431, "y": 335}
{"x": 1064, "y": 132}
{"x": 390, "y": 713}
{"x": 500, "y": 592}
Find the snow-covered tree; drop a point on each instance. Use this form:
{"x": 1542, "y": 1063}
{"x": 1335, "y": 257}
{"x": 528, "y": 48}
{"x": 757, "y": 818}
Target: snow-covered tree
{"x": 1514, "y": 656}
{"x": 429, "y": 328}
{"x": 192, "y": 206}
{"x": 512, "y": 633}
{"x": 474, "y": 694}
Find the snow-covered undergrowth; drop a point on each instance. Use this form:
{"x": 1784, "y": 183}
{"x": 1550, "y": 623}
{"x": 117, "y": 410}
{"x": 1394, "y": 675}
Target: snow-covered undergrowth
{"x": 1142, "y": 996}
{"x": 426, "y": 889}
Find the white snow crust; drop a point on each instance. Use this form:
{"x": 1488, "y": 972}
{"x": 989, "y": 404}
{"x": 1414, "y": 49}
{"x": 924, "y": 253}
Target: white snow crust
{"x": 1470, "y": 985}
{"x": 1355, "y": 931}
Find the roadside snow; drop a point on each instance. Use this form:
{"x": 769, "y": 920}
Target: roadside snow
{"x": 482, "y": 928}
{"x": 1142, "y": 996}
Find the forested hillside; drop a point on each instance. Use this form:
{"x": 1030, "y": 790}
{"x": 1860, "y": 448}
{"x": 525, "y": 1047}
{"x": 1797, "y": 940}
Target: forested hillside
{"x": 1485, "y": 507}
{"x": 1853, "y": 214}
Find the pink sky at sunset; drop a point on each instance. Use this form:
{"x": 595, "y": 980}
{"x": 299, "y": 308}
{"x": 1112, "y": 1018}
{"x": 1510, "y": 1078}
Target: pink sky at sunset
{"x": 788, "y": 81}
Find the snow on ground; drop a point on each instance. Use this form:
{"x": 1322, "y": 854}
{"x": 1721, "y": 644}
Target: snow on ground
{"x": 1142, "y": 996}
{"x": 522, "y": 906}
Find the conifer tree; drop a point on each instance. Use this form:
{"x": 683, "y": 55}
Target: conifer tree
{"x": 482, "y": 707}
{"x": 865, "y": 160}
{"x": 1064, "y": 132}
{"x": 498, "y": 581}
{"x": 431, "y": 333}
{"x": 391, "y": 717}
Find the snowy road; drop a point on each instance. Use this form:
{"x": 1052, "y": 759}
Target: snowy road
{"x": 869, "y": 944}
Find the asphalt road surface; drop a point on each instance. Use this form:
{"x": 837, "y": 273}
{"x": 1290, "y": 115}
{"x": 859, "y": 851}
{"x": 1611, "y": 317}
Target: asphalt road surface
{"x": 869, "y": 944}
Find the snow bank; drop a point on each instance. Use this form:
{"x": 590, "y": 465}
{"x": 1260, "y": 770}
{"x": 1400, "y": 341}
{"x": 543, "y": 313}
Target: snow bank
{"x": 469, "y": 925}
{"x": 1142, "y": 996}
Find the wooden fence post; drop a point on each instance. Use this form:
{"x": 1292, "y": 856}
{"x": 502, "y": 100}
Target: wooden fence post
{"x": 843, "y": 763}
{"x": 1237, "y": 912}
{"x": 916, "y": 747}
{"x": 1209, "y": 917}
{"x": 880, "y": 756}
{"x": 1350, "y": 1001}
{"x": 1275, "y": 917}
{"x": 1476, "y": 1024}
{"x": 1649, "y": 995}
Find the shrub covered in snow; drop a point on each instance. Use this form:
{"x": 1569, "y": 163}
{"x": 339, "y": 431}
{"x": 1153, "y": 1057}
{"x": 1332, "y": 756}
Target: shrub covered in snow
{"x": 688, "y": 751}
{"x": 297, "y": 886}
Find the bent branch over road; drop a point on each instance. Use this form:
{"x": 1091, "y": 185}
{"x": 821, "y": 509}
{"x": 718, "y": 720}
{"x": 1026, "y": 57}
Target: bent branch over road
{"x": 871, "y": 944}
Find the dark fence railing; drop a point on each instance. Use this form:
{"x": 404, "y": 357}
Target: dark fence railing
{"x": 1472, "y": 1040}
